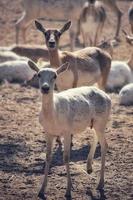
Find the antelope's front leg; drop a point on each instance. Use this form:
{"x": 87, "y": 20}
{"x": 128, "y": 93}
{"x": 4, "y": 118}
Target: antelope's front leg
{"x": 66, "y": 156}
{"x": 49, "y": 141}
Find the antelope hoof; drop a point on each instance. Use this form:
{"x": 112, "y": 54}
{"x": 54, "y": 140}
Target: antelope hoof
{"x": 100, "y": 186}
{"x": 68, "y": 195}
{"x": 89, "y": 169}
{"x": 41, "y": 195}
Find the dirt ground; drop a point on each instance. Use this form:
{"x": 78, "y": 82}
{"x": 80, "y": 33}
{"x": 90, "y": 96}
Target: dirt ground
{"x": 22, "y": 140}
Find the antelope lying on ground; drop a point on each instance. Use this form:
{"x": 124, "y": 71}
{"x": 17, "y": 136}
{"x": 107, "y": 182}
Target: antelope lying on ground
{"x": 71, "y": 112}
{"x": 121, "y": 72}
{"x": 87, "y": 66}
{"x": 16, "y": 71}
{"x": 92, "y": 19}
{"x": 130, "y": 17}
{"x": 126, "y": 95}
{"x": 63, "y": 9}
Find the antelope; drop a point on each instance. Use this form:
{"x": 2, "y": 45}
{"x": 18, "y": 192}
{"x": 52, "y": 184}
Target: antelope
{"x": 113, "y": 6}
{"x": 71, "y": 112}
{"x": 130, "y": 17}
{"x": 92, "y": 19}
{"x": 63, "y": 9}
{"x": 87, "y": 66}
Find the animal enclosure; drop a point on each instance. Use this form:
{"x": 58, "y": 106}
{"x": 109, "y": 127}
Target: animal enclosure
{"x": 22, "y": 139}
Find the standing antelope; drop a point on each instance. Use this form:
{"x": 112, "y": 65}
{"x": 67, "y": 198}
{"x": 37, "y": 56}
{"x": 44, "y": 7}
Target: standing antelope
{"x": 113, "y": 6}
{"x": 87, "y": 66}
{"x": 92, "y": 21}
{"x": 130, "y": 17}
{"x": 57, "y": 10}
{"x": 71, "y": 112}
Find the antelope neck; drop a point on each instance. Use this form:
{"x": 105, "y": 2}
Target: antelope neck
{"x": 47, "y": 103}
{"x": 54, "y": 58}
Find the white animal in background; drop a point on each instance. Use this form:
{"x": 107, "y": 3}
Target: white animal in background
{"x": 120, "y": 75}
{"x": 71, "y": 112}
{"x": 63, "y": 9}
{"x": 92, "y": 19}
{"x": 15, "y": 71}
{"x": 87, "y": 66}
{"x": 126, "y": 95}
{"x": 121, "y": 72}
{"x": 10, "y": 56}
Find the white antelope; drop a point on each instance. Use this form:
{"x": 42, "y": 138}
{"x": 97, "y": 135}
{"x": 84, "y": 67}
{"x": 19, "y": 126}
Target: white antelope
{"x": 71, "y": 112}
{"x": 87, "y": 66}
{"x": 63, "y": 9}
{"x": 126, "y": 95}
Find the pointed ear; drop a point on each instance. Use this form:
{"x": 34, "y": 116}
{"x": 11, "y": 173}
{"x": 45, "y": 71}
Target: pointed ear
{"x": 39, "y": 26}
{"x": 65, "y": 27}
{"x": 33, "y": 66}
{"x": 62, "y": 68}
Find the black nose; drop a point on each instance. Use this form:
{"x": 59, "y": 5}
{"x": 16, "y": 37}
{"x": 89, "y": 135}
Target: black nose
{"x": 45, "y": 89}
{"x": 51, "y": 44}
{"x": 92, "y": 1}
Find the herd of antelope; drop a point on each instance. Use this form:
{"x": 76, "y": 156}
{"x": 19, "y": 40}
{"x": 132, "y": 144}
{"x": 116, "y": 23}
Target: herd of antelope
{"x": 76, "y": 104}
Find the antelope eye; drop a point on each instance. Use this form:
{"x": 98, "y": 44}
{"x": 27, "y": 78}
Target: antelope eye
{"x": 57, "y": 34}
{"x": 47, "y": 34}
{"x": 55, "y": 76}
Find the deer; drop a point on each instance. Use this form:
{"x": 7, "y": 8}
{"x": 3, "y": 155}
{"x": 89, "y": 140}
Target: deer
{"x": 92, "y": 19}
{"x": 130, "y": 17}
{"x": 71, "y": 112}
{"x": 71, "y": 10}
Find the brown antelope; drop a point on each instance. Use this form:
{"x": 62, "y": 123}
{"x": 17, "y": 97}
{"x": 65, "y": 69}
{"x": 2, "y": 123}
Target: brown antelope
{"x": 87, "y": 66}
{"x": 92, "y": 19}
{"x": 72, "y": 9}
{"x": 113, "y": 6}
{"x": 130, "y": 17}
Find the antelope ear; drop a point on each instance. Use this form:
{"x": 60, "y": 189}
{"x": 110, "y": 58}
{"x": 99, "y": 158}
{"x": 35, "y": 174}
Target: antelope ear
{"x": 39, "y": 26}
{"x": 65, "y": 27}
{"x": 33, "y": 66}
{"x": 62, "y": 68}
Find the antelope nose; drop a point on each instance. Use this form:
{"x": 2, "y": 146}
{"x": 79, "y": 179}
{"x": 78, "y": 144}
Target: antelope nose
{"x": 52, "y": 43}
{"x": 45, "y": 88}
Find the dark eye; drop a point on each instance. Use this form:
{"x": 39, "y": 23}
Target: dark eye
{"x": 57, "y": 34}
{"x": 47, "y": 34}
{"x": 55, "y": 76}
{"x": 39, "y": 75}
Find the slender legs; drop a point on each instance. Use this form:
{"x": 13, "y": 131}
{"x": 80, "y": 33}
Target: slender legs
{"x": 66, "y": 157}
{"x": 91, "y": 153}
{"x": 101, "y": 138}
{"x": 98, "y": 136}
{"x": 49, "y": 141}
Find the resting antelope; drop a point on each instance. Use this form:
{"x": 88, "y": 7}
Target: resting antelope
{"x": 63, "y": 9}
{"x": 92, "y": 19}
